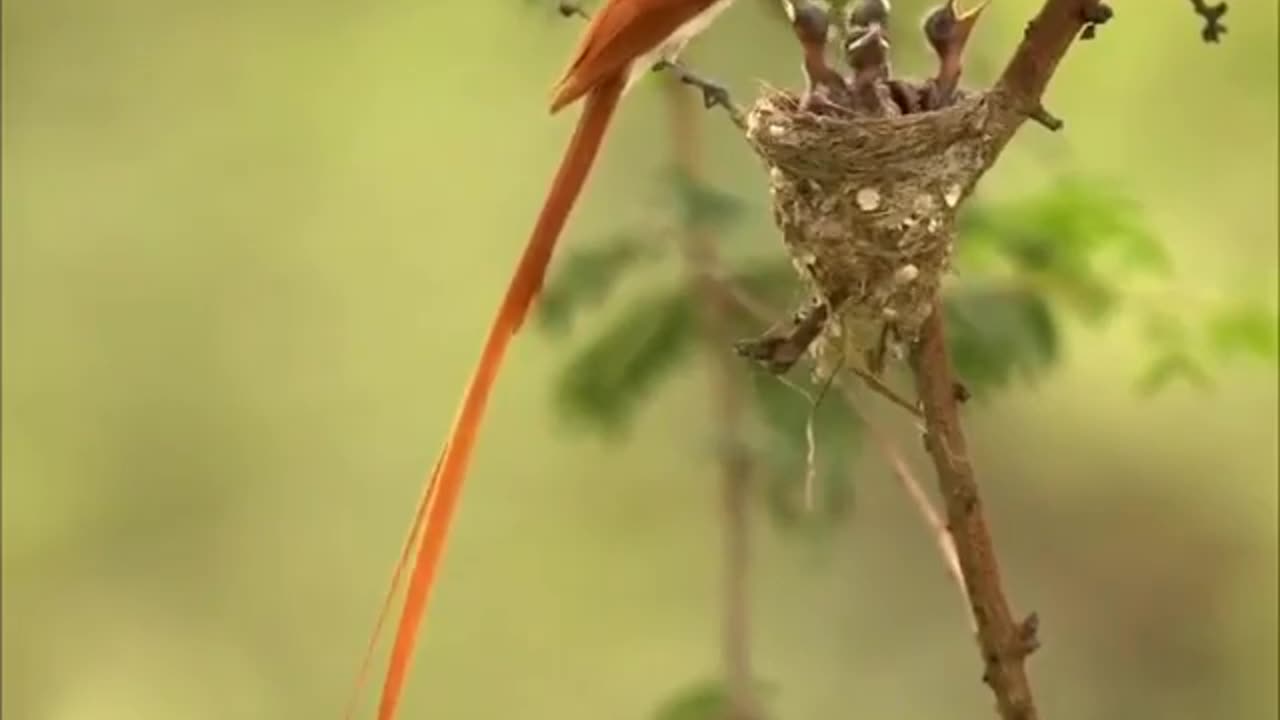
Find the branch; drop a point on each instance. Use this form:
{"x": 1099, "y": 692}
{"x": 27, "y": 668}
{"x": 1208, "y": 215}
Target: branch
{"x": 760, "y": 310}
{"x": 1045, "y": 42}
{"x": 1004, "y": 643}
{"x": 1212, "y": 14}
{"x": 928, "y": 513}
{"x": 779, "y": 351}
{"x": 735, "y": 467}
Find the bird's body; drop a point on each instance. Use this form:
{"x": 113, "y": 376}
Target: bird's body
{"x": 948, "y": 30}
{"x": 824, "y": 85}
{"x": 671, "y": 49}
{"x": 631, "y": 37}
{"x": 868, "y": 53}
{"x": 623, "y": 41}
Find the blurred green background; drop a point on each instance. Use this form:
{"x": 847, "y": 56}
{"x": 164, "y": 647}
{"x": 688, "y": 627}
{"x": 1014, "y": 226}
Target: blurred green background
{"x": 250, "y": 250}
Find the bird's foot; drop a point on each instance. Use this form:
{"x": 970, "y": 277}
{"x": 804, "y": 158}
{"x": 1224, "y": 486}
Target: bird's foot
{"x": 713, "y": 93}
{"x": 569, "y": 9}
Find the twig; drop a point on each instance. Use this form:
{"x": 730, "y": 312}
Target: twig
{"x": 887, "y": 392}
{"x": 1212, "y": 14}
{"x": 779, "y": 349}
{"x": 735, "y": 466}
{"x": 1045, "y": 42}
{"x": 774, "y": 349}
{"x": 571, "y": 9}
{"x": 932, "y": 518}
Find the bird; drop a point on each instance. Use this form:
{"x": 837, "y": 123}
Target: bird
{"x": 624, "y": 40}
{"x": 947, "y": 31}
{"x": 868, "y": 54}
{"x": 864, "y": 14}
{"x": 811, "y": 24}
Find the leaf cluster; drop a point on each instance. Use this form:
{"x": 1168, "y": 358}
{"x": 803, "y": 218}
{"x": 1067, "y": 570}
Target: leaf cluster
{"x": 1077, "y": 249}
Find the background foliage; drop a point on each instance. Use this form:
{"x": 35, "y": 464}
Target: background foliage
{"x": 249, "y": 251}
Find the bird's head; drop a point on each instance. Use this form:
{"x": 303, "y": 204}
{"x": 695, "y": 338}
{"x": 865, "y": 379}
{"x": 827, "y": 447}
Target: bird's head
{"x": 868, "y": 49}
{"x": 948, "y": 29}
{"x": 810, "y": 20}
{"x": 866, "y": 14}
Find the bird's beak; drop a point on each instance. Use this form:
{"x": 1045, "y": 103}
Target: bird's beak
{"x": 873, "y": 37}
{"x": 965, "y": 21}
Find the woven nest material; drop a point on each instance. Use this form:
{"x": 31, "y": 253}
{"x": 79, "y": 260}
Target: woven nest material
{"x": 867, "y": 208}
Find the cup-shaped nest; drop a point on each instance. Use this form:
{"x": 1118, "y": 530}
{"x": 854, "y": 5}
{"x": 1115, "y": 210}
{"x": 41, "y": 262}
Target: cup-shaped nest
{"x": 867, "y": 205}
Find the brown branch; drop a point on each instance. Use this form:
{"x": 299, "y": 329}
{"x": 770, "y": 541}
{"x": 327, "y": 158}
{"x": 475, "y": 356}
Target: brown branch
{"x": 779, "y": 349}
{"x": 1046, "y": 40}
{"x": 735, "y": 469}
{"x": 1212, "y": 14}
{"x": 1004, "y": 642}
{"x": 760, "y": 310}
{"x": 773, "y": 347}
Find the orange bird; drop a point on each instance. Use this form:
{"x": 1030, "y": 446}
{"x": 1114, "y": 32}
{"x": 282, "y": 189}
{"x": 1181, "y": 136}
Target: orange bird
{"x": 623, "y": 41}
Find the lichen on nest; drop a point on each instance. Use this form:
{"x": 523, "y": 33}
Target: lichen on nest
{"x": 867, "y": 208}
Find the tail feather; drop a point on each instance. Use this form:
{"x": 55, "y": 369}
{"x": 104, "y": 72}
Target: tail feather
{"x": 435, "y": 510}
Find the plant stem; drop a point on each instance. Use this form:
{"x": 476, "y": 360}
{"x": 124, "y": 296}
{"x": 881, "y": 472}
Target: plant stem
{"x": 735, "y": 465}
{"x": 1005, "y": 643}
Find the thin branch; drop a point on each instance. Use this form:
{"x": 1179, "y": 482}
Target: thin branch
{"x": 888, "y": 393}
{"x": 572, "y": 9}
{"x": 735, "y": 467}
{"x": 1046, "y": 40}
{"x": 946, "y": 545}
{"x": 1212, "y": 14}
{"x": 756, "y": 349}
{"x": 932, "y": 518}
{"x": 780, "y": 348}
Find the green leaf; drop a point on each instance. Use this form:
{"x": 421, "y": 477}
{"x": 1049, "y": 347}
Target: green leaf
{"x": 702, "y": 205}
{"x": 1170, "y": 341}
{"x": 1078, "y": 240}
{"x": 707, "y": 700}
{"x": 1243, "y": 329}
{"x": 605, "y": 382}
{"x": 1170, "y": 366}
{"x": 772, "y": 281}
{"x": 997, "y": 334}
{"x": 1165, "y": 330}
{"x": 837, "y": 434}
{"x": 586, "y": 276}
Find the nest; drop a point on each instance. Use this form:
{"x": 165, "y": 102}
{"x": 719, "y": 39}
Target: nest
{"x": 867, "y": 208}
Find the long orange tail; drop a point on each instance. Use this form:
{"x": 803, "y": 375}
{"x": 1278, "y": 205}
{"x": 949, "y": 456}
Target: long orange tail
{"x": 435, "y": 509}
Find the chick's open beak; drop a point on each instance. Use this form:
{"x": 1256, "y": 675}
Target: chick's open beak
{"x": 869, "y": 48}
{"x": 963, "y": 23}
